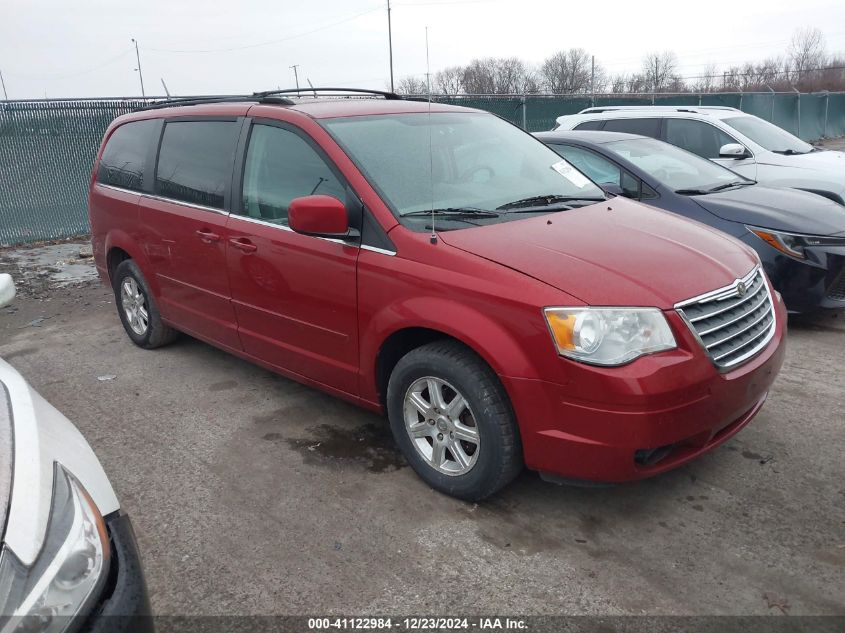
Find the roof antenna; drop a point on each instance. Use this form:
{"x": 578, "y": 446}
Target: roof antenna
{"x": 433, "y": 237}
{"x": 312, "y": 86}
{"x": 164, "y": 85}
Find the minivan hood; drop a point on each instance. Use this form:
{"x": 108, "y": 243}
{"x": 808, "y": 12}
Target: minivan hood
{"x": 826, "y": 160}
{"x": 787, "y": 210}
{"x": 617, "y": 252}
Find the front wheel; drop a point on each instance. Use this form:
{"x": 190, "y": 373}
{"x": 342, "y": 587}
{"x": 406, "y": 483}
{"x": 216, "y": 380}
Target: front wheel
{"x": 453, "y": 421}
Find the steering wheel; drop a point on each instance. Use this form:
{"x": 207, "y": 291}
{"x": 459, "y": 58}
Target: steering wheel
{"x": 469, "y": 174}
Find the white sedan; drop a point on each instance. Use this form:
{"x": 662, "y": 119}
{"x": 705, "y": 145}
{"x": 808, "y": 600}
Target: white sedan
{"x": 68, "y": 559}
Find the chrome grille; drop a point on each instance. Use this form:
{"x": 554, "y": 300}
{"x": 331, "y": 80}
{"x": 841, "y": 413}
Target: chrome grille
{"x": 732, "y": 323}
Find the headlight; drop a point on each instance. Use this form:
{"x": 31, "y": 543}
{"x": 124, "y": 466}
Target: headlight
{"x": 68, "y": 574}
{"x": 794, "y": 245}
{"x": 608, "y": 336}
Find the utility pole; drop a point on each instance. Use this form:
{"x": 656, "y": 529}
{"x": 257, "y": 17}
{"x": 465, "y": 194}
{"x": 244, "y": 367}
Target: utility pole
{"x": 140, "y": 74}
{"x": 593, "y": 80}
{"x": 390, "y": 44}
{"x": 296, "y": 76}
{"x": 5, "y": 95}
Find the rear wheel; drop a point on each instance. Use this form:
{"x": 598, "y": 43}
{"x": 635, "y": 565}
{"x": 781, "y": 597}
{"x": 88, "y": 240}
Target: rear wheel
{"x": 452, "y": 419}
{"x": 137, "y": 308}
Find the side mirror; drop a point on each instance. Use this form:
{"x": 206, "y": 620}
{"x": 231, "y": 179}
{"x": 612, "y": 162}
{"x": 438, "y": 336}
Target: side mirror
{"x": 321, "y": 216}
{"x": 733, "y": 150}
{"x": 7, "y": 289}
{"x": 612, "y": 189}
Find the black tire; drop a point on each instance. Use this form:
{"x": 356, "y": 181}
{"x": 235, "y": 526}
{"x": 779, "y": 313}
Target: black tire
{"x": 157, "y": 333}
{"x": 499, "y": 458}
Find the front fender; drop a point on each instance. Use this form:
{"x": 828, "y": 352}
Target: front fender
{"x": 500, "y": 349}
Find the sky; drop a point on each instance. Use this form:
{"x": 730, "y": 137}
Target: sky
{"x": 84, "y": 48}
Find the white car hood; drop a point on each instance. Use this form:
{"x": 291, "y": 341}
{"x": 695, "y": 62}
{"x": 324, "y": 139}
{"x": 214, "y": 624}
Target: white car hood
{"x": 829, "y": 161}
{"x": 41, "y": 436}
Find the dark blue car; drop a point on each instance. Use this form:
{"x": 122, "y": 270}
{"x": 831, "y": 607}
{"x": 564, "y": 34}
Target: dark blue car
{"x": 799, "y": 236}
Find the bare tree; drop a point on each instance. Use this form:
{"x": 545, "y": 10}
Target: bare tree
{"x": 618, "y": 83}
{"x": 411, "y": 85}
{"x": 659, "y": 70}
{"x": 492, "y": 75}
{"x": 807, "y": 51}
{"x": 567, "y": 72}
{"x": 449, "y": 81}
{"x": 707, "y": 81}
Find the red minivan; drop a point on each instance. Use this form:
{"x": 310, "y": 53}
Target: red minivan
{"x": 441, "y": 265}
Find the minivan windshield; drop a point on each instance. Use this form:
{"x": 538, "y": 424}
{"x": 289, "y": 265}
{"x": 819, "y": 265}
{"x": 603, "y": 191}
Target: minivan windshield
{"x": 769, "y": 136}
{"x": 676, "y": 168}
{"x": 471, "y": 168}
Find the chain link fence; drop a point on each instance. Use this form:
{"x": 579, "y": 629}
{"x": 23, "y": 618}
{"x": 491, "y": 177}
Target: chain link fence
{"x": 47, "y": 147}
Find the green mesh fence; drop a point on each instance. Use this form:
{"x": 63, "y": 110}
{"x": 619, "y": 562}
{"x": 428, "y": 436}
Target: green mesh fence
{"x": 47, "y": 147}
{"x": 46, "y": 152}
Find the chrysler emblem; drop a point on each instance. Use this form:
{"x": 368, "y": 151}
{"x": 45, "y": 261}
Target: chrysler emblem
{"x": 741, "y": 289}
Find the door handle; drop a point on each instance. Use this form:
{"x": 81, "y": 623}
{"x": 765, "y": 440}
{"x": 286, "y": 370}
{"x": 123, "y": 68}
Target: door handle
{"x": 243, "y": 244}
{"x": 207, "y": 236}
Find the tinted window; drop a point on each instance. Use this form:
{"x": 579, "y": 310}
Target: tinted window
{"x": 645, "y": 127}
{"x": 281, "y": 166}
{"x": 600, "y": 169}
{"x": 195, "y": 161}
{"x": 122, "y": 163}
{"x": 696, "y": 137}
{"x": 589, "y": 125}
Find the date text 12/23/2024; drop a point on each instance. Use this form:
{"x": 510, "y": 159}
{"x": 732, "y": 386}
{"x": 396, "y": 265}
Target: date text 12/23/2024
{"x": 417, "y": 624}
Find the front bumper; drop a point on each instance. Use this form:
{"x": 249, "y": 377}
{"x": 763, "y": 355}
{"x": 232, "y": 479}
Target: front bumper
{"x": 631, "y": 422}
{"x": 125, "y": 605}
{"x": 817, "y": 283}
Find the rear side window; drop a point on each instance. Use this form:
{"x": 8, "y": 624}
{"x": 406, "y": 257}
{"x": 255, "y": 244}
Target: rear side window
{"x": 122, "y": 162}
{"x": 281, "y": 166}
{"x": 195, "y": 161}
{"x": 645, "y": 127}
{"x": 696, "y": 137}
{"x": 589, "y": 125}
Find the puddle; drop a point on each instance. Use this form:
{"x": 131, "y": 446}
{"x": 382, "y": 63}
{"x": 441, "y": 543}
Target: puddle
{"x": 370, "y": 446}
{"x": 37, "y": 269}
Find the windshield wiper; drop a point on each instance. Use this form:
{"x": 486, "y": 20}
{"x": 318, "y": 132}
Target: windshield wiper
{"x": 455, "y": 212}
{"x": 701, "y": 192}
{"x": 544, "y": 201}
{"x": 790, "y": 152}
{"x": 735, "y": 183}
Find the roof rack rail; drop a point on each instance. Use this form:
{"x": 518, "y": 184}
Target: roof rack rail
{"x": 349, "y": 91}
{"x": 267, "y": 96}
{"x": 189, "y": 101}
{"x": 650, "y": 108}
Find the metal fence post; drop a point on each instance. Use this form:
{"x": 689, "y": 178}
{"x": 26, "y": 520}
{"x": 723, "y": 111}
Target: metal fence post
{"x": 798, "y": 96}
{"x": 524, "y": 113}
{"x": 826, "y": 110}
{"x": 772, "y": 118}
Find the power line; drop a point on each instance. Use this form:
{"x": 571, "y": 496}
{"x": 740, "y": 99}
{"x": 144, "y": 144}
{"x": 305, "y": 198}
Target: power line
{"x": 265, "y": 43}
{"x": 108, "y": 62}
